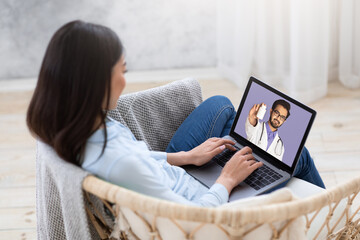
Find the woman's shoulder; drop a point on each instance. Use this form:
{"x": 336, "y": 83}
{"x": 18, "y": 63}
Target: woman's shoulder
{"x": 119, "y": 149}
{"x": 114, "y": 130}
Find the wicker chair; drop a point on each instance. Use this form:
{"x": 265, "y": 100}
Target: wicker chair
{"x": 143, "y": 217}
{"x": 112, "y": 211}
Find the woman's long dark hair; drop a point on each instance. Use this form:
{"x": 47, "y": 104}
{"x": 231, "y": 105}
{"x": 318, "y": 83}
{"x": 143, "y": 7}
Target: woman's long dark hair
{"x": 73, "y": 86}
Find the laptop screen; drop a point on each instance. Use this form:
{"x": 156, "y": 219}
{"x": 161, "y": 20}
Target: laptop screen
{"x": 274, "y": 123}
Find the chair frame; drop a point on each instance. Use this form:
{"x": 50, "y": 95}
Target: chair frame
{"x": 235, "y": 219}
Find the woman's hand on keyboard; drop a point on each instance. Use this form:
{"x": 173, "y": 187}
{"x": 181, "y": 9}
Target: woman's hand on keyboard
{"x": 238, "y": 168}
{"x": 209, "y": 149}
{"x": 201, "y": 154}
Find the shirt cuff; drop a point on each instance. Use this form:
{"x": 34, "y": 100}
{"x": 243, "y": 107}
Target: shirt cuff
{"x": 159, "y": 155}
{"x": 220, "y": 192}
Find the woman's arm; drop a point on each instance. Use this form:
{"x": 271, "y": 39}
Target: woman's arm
{"x": 201, "y": 154}
{"x": 236, "y": 170}
{"x": 179, "y": 158}
{"x": 145, "y": 177}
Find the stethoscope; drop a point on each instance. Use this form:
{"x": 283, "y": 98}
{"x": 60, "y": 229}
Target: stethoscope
{"x": 277, "y": 151}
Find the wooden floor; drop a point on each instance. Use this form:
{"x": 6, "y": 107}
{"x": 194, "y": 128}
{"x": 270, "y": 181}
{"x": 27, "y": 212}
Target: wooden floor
{"x": 333, "y": 142}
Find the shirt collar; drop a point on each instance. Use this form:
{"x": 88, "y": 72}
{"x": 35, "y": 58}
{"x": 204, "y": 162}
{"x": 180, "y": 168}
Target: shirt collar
{"x": 268, "y": 128}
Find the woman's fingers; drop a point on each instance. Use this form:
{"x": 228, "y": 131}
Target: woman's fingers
{"x": 226, "y": 143}
{"x": 255, "y": 166}
{"x": 244, "y": 151}
{"x": 208, "y": 149}
{"x": 230, "y": 147}
{"x": 221, "y": 142}
{"x": 217, "y": 151}
{"x": 238, "y": 168}
{"x": 248, "y": 157}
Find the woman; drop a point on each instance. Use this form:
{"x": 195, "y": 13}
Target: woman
{"x": 81, "y": 78}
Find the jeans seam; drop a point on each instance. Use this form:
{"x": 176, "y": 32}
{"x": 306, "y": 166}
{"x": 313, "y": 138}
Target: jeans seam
{"x": 217, "y": 117}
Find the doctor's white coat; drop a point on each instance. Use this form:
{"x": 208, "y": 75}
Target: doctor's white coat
{"x": 254, "y": 135}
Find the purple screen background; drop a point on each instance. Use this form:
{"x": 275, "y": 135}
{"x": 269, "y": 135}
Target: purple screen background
{"x": 293, "y": 129}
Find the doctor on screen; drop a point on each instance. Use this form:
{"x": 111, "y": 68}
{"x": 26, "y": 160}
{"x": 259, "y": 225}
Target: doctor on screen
{"x": 265, "y": 134}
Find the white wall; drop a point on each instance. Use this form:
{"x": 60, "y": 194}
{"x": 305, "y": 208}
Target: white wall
{"x": 157, "y": 34}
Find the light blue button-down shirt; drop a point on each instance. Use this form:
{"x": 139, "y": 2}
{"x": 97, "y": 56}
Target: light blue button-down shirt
{"x": 270, "y": 135}
{"x": 130, "y": 164}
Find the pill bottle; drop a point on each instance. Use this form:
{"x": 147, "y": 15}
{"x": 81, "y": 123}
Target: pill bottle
{"x": 261, "y": 113}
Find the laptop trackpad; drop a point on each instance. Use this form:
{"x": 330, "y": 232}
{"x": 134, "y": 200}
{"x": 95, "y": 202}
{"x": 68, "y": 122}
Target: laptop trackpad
{"x": 206, "y": 174}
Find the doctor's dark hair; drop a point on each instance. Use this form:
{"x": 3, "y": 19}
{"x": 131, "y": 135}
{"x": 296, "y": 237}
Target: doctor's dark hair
{"x": 283, "y": 103}
{"x": 73, "y": 87}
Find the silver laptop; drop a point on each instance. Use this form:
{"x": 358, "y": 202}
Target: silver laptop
{"x": 276, "y": 132}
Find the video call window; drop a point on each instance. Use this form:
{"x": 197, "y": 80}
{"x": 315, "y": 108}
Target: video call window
{"x": 272, "y": 123}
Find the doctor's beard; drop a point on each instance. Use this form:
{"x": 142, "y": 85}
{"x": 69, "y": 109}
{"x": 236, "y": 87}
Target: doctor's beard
{"x": 275, "y": 123}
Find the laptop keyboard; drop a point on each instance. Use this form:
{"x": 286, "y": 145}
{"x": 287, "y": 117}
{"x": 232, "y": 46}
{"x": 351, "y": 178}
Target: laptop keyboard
{"x": 223, "y": 157}
{"x": 258, "y": 179}
{"x": 262, "y": 177}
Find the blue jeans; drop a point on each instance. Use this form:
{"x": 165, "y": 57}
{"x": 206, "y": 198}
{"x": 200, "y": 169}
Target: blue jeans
{"x": 214, "y": 118}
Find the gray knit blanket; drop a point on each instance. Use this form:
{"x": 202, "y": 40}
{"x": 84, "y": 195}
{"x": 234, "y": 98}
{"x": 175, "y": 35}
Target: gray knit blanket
{"x": 152, "y": 115}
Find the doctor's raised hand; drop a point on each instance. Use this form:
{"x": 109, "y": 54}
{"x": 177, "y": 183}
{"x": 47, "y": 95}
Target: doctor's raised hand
{"x": 253, "y": 119}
